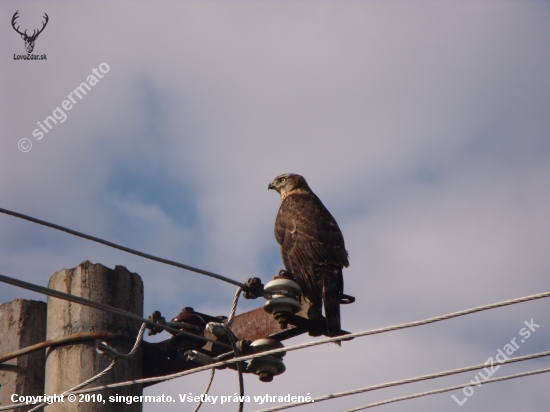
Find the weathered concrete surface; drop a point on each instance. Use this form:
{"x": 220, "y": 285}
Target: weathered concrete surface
{"x": 22, "y": 323}
{"x": 69, "y": 365}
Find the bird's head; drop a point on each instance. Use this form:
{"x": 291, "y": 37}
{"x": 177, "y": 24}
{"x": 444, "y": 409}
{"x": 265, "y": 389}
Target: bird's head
{"x": 288, "y": 183}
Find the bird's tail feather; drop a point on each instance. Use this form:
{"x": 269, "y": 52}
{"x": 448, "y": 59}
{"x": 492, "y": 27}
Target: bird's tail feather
{"x": 331, "y": 298}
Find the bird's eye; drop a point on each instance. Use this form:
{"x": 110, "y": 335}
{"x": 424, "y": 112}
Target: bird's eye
{"x": 282, "y": 179}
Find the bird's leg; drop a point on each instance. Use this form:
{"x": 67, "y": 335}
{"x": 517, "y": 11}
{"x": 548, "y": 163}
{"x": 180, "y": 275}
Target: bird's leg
{"x": 316, "y": 317}
{"x": 314, "y": 312}
{"x": 285, "y": 274}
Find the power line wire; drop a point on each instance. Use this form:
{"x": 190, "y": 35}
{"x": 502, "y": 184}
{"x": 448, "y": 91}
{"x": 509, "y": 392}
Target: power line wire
{"x": 114, "y": 353}
{"x": 102, "y": 346}
{"x": 93, "y": 378}
{"x": 323, "y": 341}
{"x": 101, "y": 306}
{"x": 233, "y": 340}
{"x": 450, "y": 388}
{"x": 356, "y": 391}
{"x": 406, "y": 381}
{"x": 220, "y": 329}
{"x": 76, "y": 337}
{"x": 97, "y": 305}
{"x": 209, "y": 383}
{"x": 87, "y": 302}
{"x": 123, "y": 248}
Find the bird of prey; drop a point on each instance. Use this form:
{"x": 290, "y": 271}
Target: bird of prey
{"x": 312, "y": 247}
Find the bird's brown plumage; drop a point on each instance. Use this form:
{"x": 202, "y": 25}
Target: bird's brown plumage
{"x": 312, "y": 247}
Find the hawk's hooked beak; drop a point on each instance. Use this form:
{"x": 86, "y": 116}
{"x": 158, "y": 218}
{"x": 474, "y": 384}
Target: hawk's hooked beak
{"x": 270, "y": 186}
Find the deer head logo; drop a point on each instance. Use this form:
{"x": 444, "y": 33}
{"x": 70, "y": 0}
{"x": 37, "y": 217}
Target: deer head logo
{"x": 29, "y": 40}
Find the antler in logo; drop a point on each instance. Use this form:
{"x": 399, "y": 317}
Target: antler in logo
{"x": 29, "y": 40}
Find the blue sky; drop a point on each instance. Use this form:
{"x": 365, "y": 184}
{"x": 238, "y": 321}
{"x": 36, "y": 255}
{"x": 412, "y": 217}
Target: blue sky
{"x": 423, "y": 126}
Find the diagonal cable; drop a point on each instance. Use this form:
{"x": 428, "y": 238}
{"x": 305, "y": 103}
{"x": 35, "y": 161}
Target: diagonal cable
{"x": 360, "y": 390}
{"x": 102, "y": 346}
{"x": 112, "y": 351}
{"x": 289, "y": 348}
{"x": 81, "y": 385}
{"x": 199, "y": 404}
{"x": 327, "y": 340}
{"x": 450, "y": 388}
{"x": 405, "y": 381}
{"x": 220, "y": 329}
{"x": 97, "y": 305}
{"x": 123, "y": 248}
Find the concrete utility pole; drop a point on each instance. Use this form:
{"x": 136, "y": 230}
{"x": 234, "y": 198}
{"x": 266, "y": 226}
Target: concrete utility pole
{"x": 22, "y": 323}
{"x": 69, "y": 365}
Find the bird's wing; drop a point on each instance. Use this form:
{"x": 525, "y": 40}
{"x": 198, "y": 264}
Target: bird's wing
{"x": 308, "y": 233}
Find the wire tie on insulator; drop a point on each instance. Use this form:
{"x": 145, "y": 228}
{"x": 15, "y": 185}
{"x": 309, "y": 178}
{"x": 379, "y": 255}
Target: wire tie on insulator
{"x": 218, "y": 329}
{"x": 255, "y": 288}
{"x": 198, "y": 357}
{"x": 157, "y": 318}
{"x": 103, "y": 349}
